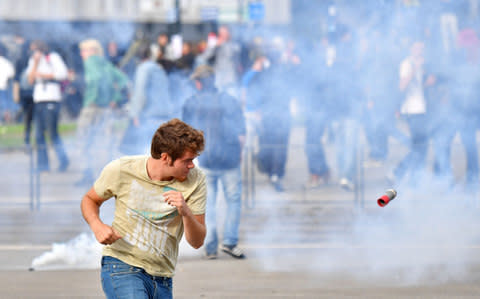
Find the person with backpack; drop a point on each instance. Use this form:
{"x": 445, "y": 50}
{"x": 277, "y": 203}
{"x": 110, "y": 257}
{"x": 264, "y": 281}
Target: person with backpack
{"x": 221, "y": 119}
{"x": 45, "y": 70}
{"x": 104, "y": 86}
{"x": 150, "y": 105}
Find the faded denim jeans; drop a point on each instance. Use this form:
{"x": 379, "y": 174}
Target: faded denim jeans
{"x": 46, "y": 116}
{"x": 122, "y": 281}
{"x": 231, "y": 180}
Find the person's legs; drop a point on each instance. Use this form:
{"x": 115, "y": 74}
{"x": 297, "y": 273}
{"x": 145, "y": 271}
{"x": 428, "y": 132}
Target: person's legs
{"x": 122, "y": 281}
{"x": 406, "y": 163}
{"x": 346, "y": 152}
{"x": 441, "y": 141}
{"x": 281, "y": 135}
{"x": 468, "y": 137}
{"x": 86, "y": 129}
{"x": 53, "y": 113}
{"x": 211, "y": 239}
{"x": 163, "y": 288}
{"x": 40, "y": 127}
{"x": 4, "y": 107}
{"x": 379, "y": 141}
{"x": 264, "y": 156}
{"x": 375, "y": 135}
{"x": 317, "y": 164}
{"x": 232, "y": 189}
{"x": 419, "y": 134}
{"x": 444, "y": 32}
{"x": 27, "y": 106}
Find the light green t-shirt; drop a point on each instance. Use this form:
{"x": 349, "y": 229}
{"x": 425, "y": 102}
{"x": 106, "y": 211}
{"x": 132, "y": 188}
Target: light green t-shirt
{"x": 150, "y": 228}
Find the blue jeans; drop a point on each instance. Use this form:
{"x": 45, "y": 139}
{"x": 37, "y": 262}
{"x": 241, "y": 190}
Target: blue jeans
{"x": 315, "y": 128}
{"x": 7, "y": 105}
{"x": 442, "y": 136}
{"x": 232, "y": 188}
{"x": 273, "y": 141}
{"x": 46, "y": 116}
{"x": 122, "y": 281}
{"x": 467, "y": 131}
{"x": 415, "y": 161}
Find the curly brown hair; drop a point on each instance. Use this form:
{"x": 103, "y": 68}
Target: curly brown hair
{"x": 174, "y": 138}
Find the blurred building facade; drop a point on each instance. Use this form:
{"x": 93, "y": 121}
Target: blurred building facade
{"x": 162, "y": 11}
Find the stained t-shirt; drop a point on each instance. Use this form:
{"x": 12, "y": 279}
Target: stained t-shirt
{"x": 150, "y": 228}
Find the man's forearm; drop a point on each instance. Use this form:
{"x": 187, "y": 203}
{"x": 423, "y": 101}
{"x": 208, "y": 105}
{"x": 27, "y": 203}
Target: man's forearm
{"x": 90, "y": 211}
{"x": 195, "y": 230}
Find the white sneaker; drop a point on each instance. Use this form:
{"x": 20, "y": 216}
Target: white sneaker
{"x": 233, "y": 251}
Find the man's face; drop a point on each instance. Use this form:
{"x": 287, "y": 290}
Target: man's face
{"x": 86, "y": 52}
{"x": 181, "y": 167}
{"x": 223, "y": 34}
{"x": 162, "y": 40}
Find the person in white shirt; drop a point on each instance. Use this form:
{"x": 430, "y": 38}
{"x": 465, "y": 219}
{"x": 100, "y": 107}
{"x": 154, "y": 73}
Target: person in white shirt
{"x": 412, "y": 83}
{"x": 45, "y": 70}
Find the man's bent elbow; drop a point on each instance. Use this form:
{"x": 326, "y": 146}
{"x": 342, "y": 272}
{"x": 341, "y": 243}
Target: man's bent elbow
{"x": 198, "y": 242}
{"x": 197, "y": 245}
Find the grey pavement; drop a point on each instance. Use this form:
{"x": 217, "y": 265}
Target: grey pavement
{"x": 302, "y": 243}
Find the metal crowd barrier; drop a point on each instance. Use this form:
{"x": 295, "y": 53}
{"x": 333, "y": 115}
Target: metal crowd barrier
{"x": 34, "y": 179}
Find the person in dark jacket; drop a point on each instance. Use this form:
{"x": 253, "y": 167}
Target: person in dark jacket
{"x": 271, "y": 99}
{"x": 221, "y": 119}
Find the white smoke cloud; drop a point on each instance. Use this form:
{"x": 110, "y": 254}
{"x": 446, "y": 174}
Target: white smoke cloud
{"x": 84, "y": 252}
{"x": 422, "y": 237}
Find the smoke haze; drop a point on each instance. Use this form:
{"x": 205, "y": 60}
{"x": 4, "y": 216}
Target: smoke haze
{"x": 340, "y": 64}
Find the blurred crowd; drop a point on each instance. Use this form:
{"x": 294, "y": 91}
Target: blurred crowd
{"x": 411, "y": 62}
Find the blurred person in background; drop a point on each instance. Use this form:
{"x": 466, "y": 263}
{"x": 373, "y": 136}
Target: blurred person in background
{"x": 465, "y": 91}
{"x": 443, "y": 116}
{"x": 342, "y": 87}
{"x": 149, "y": 105}
{"x": 317, "y": 107}
{"x": 187, "y": 60}
{"x": 7, "y": 73}
{"x": 447, "y": 12}
{"x": 220, "y": 117}
{"x": 225, "y": 60}
{"x": 103, "y": 92}
{"x": 25, "y": 91}
{"x": 45, "y": 70}
{"x": 205, "y": 49}
{"x": 73, "y": 93}
{"x": 113, "y": 53}
{"x": 162, "y": 48}
{"x": 180, "y": 85}
{"x": 251, "y": 111}
{"x": 380, "y": 79}
{"x": 412, "y": 83}
{"x": 271, "y": 93}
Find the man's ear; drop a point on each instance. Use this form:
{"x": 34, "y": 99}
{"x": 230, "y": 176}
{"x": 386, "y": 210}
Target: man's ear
{"x": 165, "y": 157}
